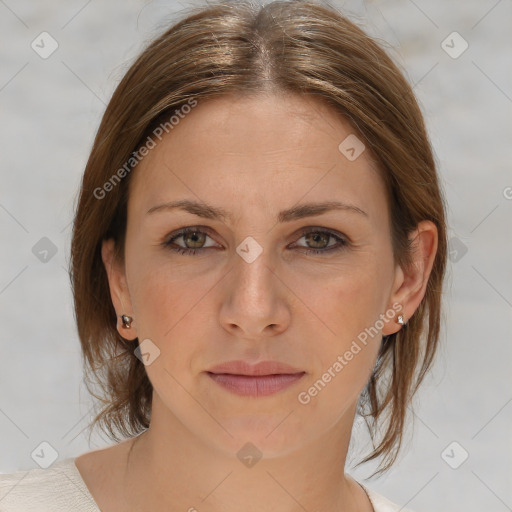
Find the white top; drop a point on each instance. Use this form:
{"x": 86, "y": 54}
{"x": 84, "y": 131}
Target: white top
{"x": 60, "y": 488}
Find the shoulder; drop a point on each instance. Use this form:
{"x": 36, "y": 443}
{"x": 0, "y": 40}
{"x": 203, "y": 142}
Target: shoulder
{"x": 58, "y": 488}
{"x": 382, "y": 504}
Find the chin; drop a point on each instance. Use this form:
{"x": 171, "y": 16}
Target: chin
{"x": 273, "y": 435}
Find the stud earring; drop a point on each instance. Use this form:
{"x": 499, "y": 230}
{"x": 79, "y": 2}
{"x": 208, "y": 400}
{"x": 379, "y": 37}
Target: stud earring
{"x": 401, "y": 320}
{"x": 127, "y": 321}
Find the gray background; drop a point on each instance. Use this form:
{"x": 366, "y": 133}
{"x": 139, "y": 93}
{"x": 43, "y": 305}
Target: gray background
{"x": 50, "y": 109}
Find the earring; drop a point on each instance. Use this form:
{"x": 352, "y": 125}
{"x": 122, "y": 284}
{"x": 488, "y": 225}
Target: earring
{"x": 401, "y": 320}
{"x": 127, "y": 321}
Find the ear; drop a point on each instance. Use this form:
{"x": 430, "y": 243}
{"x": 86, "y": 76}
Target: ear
{"x": 119, "y": 292}
{"x": 410, "y": 283}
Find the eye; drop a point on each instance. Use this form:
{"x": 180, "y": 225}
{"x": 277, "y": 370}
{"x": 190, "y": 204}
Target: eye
{"x": 318, "y": 238}
{"x": 195, "y": 237}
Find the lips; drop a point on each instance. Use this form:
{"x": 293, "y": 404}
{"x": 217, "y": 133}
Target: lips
{"x": 261, "y": 368}
{"x": 261, "y": 379}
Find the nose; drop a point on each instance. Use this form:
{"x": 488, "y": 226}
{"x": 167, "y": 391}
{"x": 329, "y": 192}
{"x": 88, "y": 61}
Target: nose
{"x": 255, "y": 298}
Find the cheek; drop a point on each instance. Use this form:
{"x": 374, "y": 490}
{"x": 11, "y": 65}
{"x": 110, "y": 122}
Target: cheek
{"x": 346, "y": 300}
{"x": 164, "y": 307}
{"x": 151, "y": 299}
{"x": 346, "y": 353}
{"x": 172, "y": 308}
{"x": 347, "y": 309}
{"x": 155, "y": 293}
{"x": 165, "y": 303}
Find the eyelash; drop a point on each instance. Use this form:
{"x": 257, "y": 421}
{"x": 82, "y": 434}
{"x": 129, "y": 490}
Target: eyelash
{"x": 341, "y": 242}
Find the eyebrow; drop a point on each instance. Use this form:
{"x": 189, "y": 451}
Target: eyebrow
{"x": 216, "y": 213}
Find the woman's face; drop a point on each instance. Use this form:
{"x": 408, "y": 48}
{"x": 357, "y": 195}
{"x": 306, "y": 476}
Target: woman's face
{"x": 254, "y": 289}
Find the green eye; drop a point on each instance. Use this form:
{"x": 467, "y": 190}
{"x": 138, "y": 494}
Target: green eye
{"x": 197, "y": 236}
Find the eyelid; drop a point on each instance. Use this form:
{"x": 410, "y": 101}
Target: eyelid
{"x": 302, "y": 231}
{"x": 342, "y": 241}
{"x": 188, "y": 229}
{"x": 319, "y": 229}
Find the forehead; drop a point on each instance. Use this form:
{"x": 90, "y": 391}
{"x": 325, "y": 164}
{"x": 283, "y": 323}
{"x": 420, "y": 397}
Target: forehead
{"x": 266, "y": 149}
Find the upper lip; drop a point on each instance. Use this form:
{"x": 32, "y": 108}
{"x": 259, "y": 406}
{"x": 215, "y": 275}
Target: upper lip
{"x": 261, "y": 368}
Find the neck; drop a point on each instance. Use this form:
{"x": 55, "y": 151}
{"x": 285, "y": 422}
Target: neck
{"x": 169, "y": 468}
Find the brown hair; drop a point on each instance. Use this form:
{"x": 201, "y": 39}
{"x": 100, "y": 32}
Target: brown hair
{"x": 299, "y": 47}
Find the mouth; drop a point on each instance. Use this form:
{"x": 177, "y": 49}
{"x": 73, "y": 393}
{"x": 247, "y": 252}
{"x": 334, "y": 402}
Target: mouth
{"x": 261, "y": 379}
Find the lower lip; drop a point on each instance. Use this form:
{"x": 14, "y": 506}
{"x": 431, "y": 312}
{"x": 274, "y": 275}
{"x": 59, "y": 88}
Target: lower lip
{"x": 262, "y": 385}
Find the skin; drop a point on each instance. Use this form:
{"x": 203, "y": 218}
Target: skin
{"x": 254, "y": 157}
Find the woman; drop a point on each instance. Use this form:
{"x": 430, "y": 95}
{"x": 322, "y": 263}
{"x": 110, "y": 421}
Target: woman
{"x": 258, "y": 255}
